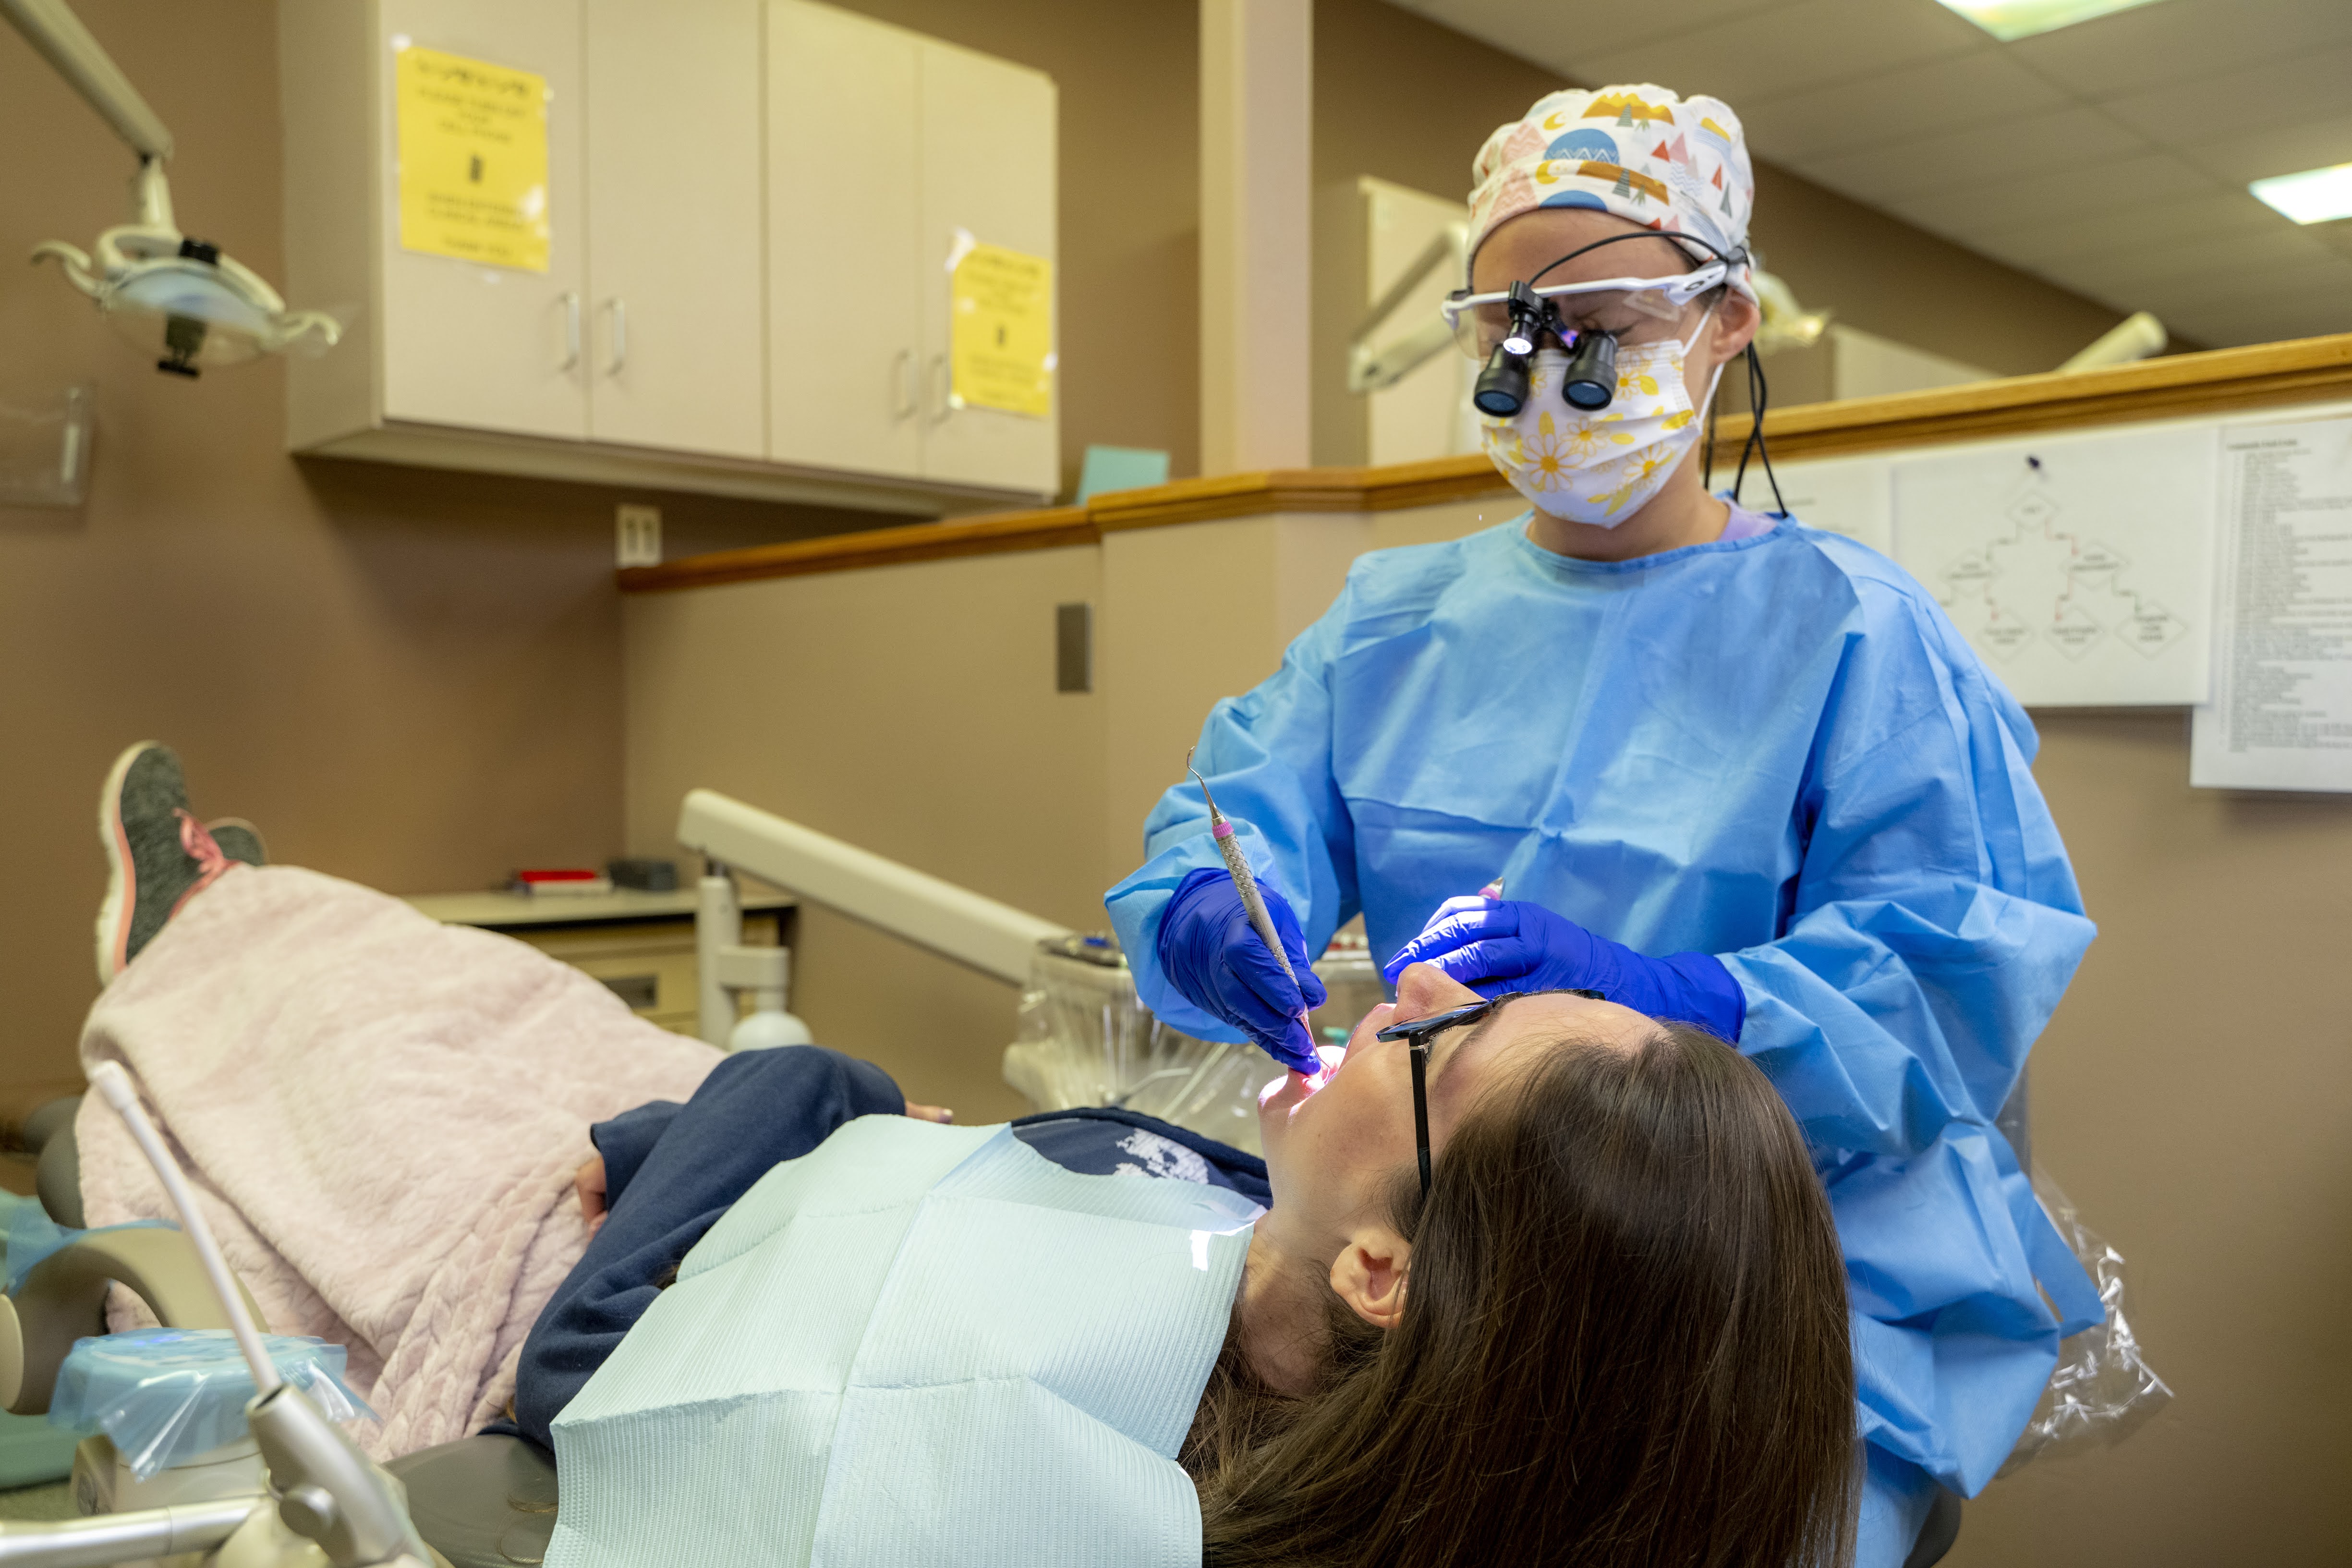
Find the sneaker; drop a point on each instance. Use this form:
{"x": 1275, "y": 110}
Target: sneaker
{"x": 158, "y": 855}
{"x": 239, "y": 840}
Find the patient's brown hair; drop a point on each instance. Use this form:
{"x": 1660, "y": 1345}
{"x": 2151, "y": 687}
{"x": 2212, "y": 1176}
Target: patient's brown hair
{"x": 1623, "y": 1343}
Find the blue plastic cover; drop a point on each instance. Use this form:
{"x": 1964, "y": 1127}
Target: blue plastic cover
{"x": 164, "y": 1396}
{"x": 33, "y": 1236}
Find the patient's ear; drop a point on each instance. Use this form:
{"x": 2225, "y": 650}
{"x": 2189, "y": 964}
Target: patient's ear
{"x": 1369, "y": 1274}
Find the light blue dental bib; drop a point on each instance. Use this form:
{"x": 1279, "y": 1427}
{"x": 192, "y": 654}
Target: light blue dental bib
{"x": 917, "y": 1344}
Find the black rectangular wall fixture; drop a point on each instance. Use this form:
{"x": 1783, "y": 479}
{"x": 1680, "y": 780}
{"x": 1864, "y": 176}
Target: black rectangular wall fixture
{"x": 1074, "y": 648}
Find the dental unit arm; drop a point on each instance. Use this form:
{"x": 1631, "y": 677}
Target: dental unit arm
{"x": 327, "y": 1504}
{"x": 955, "y": 923}
{"x": 1371, "y": 369}
{"x": 153, "y": 284}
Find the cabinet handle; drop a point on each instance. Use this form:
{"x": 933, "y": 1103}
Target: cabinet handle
{"x": 620, "y": 307}
{"x": 570, "y": 331}
{"x": 903, "y": 376}
{"x": 940, "y": 384}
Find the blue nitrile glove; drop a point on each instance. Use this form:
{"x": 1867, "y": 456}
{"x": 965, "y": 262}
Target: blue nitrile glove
{"x": 1210, "y": 952}
{"x": 1493, "y": 945}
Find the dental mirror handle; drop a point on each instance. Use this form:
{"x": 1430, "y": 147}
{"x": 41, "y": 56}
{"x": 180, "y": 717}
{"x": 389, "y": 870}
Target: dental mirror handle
{"x": 1245, "y": 883}
{"x": 1253, "y": 901}
{"x": 114, "y": 1086}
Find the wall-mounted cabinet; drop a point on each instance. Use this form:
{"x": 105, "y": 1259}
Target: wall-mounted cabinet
{"x": 714, "y": 254}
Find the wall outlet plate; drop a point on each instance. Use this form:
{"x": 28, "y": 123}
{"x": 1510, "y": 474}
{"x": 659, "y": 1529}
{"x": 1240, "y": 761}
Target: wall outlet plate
{"x": 637, "y": 535}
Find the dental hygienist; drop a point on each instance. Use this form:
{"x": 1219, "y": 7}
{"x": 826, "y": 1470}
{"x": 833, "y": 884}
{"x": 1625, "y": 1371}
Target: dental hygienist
{"x": 1727, "y": 768}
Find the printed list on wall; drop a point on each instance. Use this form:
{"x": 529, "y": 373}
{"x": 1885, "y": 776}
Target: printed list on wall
{"x": 2281, "y": 714}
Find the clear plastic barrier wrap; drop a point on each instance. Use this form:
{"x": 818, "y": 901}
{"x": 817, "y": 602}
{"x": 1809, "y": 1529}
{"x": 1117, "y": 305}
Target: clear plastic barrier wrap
{"x": 1084, "y": 1039}
{"x": 166, "y": 1395}
{"x": 2103, "y": 1390}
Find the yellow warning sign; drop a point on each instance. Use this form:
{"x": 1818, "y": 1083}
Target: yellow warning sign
{"x": 473, "y": 159}
{"x": 1001, "y": 331}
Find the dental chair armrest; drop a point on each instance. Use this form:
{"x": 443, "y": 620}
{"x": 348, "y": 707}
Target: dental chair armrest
{"x": 64, "y": 1300}
{"x": 30, "y": 1111}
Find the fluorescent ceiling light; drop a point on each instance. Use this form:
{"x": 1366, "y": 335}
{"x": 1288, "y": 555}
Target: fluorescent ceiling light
{"x": 2009, "y": 19}
{"x": 2316, "y": 195}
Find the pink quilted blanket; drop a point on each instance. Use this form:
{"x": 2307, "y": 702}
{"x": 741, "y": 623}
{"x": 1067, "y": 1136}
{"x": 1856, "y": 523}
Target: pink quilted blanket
{"x": 381, "y": 1116}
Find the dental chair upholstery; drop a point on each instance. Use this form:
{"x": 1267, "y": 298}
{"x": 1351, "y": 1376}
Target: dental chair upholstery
{"x": 485, "y": 1501}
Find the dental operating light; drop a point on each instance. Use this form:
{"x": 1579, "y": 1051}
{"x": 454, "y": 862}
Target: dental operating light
{"x": 170, "y": 295}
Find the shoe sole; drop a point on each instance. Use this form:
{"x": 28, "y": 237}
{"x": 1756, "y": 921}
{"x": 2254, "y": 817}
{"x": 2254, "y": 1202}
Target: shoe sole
{"x": 121, "y": 877}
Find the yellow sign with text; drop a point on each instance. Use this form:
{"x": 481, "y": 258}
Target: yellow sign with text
{"x": 1001, "y": 331}
{"x": 473, "y": 160}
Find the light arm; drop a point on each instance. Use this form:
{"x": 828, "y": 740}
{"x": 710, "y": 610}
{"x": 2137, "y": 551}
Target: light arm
{"x": 955, "y": 923}
{"x": 61, "y": 39}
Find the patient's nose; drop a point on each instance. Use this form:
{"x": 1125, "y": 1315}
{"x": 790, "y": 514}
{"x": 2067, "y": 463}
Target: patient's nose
{"x": 1423, "y": 989}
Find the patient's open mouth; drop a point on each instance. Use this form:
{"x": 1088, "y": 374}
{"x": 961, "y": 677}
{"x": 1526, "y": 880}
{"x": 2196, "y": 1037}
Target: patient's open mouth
{"x": 1303, "y": 1086}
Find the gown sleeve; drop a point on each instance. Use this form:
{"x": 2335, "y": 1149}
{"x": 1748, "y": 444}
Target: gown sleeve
{"x": 1267, "y": 756}
{"x": 1931, "y": 930}
{"x": 1935, "y": 921}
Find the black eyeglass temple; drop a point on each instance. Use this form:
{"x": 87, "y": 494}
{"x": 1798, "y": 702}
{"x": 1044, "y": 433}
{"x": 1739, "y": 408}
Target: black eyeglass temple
{"x": 1421, "y": 1108}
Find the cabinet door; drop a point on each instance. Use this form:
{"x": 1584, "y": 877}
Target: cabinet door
{"x": 489, "y": 348}
{"x": 845, "y": 317}
{"x": 673, "y": 189}
{"x": 988, "y": 172}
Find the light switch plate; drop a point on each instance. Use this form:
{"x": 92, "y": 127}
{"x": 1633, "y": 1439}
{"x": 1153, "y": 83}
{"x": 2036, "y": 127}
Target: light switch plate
{"x": 637, "y": 531}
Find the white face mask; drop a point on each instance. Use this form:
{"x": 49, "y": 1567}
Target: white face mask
{"x": 1599, "y": 468}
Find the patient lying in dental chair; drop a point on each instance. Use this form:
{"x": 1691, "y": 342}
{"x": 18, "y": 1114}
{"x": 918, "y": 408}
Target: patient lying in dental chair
{"x": 1612, "y": 1330}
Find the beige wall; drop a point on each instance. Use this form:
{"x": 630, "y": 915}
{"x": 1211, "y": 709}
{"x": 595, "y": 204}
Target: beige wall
{"x": 911, "y": 711}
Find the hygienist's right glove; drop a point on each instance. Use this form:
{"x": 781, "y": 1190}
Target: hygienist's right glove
{"x": 1210, "y": 952}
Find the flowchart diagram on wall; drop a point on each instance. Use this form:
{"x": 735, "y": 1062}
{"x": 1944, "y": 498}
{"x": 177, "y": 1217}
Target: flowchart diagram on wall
{"x": 2081, "y": 568}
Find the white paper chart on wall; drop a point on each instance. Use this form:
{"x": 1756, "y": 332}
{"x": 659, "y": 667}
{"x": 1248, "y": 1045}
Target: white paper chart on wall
{"x": 2281, "y": 717}
{"x": 2079, "y": 568}
{"x": 1837, "y": 495}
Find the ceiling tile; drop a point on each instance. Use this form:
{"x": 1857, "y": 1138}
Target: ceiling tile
{"x": 1552, "y": 33}
{"x": 1971, "y": 214}
{"x": 2275, "y": 93}
{"x": 2177, "y": 40}
{"x": 2336, "y": 235}
{"x": 1991, "y": 154}
{"x": 1917, "y": 100}
{"x": 2229, "y": 323}
{"x": 2300, "y": 287}
{"x": 2216, "y": 212}
{"x": 2281, "y": 149}
{"x": 1791, "y": 48}
{"x": 2202, "y": 271}
{"x": 2216, "y": 331}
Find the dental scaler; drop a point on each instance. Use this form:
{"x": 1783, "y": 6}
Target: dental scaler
{"x": 1245, "y": 882}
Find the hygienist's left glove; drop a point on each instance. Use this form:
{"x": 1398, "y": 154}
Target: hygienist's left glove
{"x": 1493, "y": 945}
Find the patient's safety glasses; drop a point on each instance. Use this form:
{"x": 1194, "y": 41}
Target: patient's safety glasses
{"x": 1420, "y": 1033}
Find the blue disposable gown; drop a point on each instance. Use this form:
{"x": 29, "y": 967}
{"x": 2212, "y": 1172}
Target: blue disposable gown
{"x": 1775, "y": 750}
